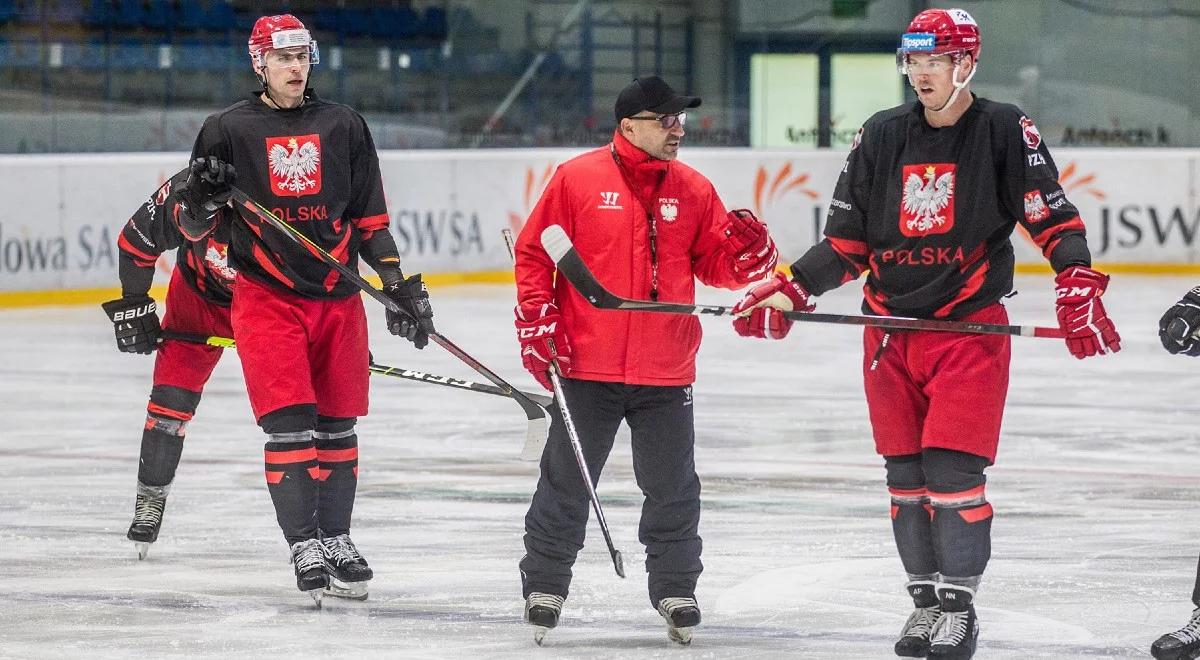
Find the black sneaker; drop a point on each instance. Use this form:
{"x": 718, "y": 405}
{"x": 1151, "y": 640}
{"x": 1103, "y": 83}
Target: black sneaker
{"x": 1183, "y": 644}
{"x": 542, "y": 612}
{"x": 681, "y": 615}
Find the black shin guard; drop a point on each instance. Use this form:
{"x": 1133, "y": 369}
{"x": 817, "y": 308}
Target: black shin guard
{"x": 167, "y": 416}
{"x": 962, "y": 516}
{"x": 291, "y": 470}
{"x": 337, "y": 458}
{"x": 911, "y": 523}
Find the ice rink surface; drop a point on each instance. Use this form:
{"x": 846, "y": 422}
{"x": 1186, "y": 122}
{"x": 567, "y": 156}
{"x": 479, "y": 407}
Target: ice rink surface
{"x": 1096, "y": 492}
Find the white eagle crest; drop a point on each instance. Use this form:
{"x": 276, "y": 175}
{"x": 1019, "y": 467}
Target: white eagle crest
{"x": 295, "y": 167}
{"x": 924, "y": 200}
{"x": 218, "y": 262}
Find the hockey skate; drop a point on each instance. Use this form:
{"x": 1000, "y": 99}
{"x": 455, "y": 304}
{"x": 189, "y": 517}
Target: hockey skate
{"x": 348, "y": 571}
{"x": 1183, "y": 644}
{"x": 542, "y": 612}
{"x": 309, "y": 561}
{"x": 956, "y": 632}
{"x": 681, "y": 615}
{"x": 147, "y": 519}
{"x": 914, "y": 637}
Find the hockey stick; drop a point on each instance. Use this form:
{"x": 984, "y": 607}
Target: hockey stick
{"x": 534, "y": 439}
{"x": 558, "y": 245}
{"x": 573, "y": 436}
{"x": 396, "y": 372}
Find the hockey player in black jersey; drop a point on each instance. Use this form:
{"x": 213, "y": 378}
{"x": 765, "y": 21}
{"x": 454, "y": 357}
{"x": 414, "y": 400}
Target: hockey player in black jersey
{"x": 930, "y": 193}
{"x": 1178, "y": 329}
{"x": 187, "y": 212}
{"x": 300, "y": 327}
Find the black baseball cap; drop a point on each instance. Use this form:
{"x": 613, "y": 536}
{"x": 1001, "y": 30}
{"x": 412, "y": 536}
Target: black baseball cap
{"x": 653, "y": 94}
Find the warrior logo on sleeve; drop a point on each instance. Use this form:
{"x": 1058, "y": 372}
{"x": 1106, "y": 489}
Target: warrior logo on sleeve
{"x": 927, "y": 202}
{"x": 295, "y": 165}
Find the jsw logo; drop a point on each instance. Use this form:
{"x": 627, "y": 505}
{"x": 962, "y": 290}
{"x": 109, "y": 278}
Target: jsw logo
{"x": 538, "y": 331}
{"x": 129, "y": 314}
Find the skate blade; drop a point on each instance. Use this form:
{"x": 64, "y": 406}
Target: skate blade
{"x": 316, "y": 595}
{"x": 539, "y": 634}
{"x": 347, "y": 590}
{"x": 681, "y": 636}
{"x": 143, "y": 549}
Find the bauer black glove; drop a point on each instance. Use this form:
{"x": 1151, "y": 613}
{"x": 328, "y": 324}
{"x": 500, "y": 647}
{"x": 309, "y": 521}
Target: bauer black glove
{"x": 135, "y": 321}
{"x": 1177, "y": 328}
{"x": 416, "y": 323}
{"x": 206, "y": 190}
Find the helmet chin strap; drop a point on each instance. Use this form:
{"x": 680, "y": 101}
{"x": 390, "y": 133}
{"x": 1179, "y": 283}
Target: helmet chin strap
{"x": 958, "y": 86}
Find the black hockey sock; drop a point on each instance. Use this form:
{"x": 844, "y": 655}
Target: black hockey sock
{"x": 337, "y": 456}
{"x": 167, "y": 416}
{"x": 911, "y": 525}
{"x": 962, "y": 529}
{"x": 962, "y": 516}
{"x": 291, "y": 471}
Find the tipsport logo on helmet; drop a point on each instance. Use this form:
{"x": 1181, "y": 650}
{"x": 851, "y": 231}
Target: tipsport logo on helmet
{"x": 918, "y": 42}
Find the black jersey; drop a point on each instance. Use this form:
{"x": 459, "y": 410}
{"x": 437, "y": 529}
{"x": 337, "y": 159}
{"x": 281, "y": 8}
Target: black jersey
{"x": 154, "y": 229}
{"x": 929, "y": 211}
{"x": 316, "y": 168}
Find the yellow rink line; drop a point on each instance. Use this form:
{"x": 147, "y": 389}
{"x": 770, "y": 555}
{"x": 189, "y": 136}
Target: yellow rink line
{"x": 9, "y": 299}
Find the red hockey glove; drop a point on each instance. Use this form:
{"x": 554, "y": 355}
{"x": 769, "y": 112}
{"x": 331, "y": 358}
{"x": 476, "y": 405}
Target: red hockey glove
{"x": 758, "y": 314}
{"x": 750, "y": 245}
{"x": 543, "y": 338}
{"x": 1081, "y": 314}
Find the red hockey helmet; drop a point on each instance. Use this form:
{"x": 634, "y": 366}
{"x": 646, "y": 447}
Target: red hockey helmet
{"x": 937, "y": 32}
{"x": 280, "y": 31}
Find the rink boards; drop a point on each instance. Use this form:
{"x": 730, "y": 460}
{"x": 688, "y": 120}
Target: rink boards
{"x": 62, "y": 213}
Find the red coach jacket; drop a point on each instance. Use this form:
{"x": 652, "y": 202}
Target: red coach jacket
{"x": 591, "y": 197}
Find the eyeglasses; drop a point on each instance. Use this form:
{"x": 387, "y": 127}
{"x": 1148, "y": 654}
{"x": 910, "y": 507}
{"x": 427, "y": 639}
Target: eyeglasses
{"x": 666, "y": 121}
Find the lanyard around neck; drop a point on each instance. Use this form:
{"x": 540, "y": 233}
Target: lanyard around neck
{"x": 651, "y": 221}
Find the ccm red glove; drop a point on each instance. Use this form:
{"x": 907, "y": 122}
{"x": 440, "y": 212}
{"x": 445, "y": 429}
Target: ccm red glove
{"x": 758, "y": 312}
{"x": 543, "y": 338}
{"x": 750, "y": 244}
{"x": 1081, "y": 315}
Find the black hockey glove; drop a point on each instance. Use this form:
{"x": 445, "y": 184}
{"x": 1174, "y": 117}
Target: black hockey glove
{"x": 135, "y": 321}
{"x": 1177, "y": 328}
{"x": 206, "y": 190}
{"x": 413, "y": 298}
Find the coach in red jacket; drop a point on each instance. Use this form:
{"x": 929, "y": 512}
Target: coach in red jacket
{"x": 648, "y": 226}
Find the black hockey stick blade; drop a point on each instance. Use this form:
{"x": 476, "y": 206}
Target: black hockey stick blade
{"x": 244, "y": 201}
{"x": 618, "y": 563}
{"x": 558, "y": 245}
